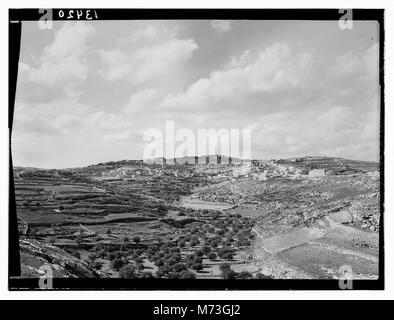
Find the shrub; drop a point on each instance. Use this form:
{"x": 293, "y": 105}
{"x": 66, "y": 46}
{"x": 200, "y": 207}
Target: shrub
{"x": 243, "y": 242}
{"x": 137, "y": 239}
{"x": 153, "y": 248}
{"x": 111, "y": 256}
{"x": 92, "y": 256}
{"x": 262, "y": 276}
{"x": 162, "y": 210}
{"x": 224, "y": 266}
{"x": 127, "y": 271}
{"x": 193, "y": 258}
{"x": 216, "y": 215}
{"x": 163, "y": 271}
{"x": 173, "y": 275}
{"x": 212, "y": 256}
{"x": 50, "y": 240}
{"x": 186, "y": 274}
{"x": 146, "y": 275}
{"x": 95, "y": 265}
{"x": 244, "y": 275}
{"x": 139, "y": 260}
{"x": 226, "y": 253}
{"x": 135, "y": 254}
{"x": 214, "y": 243}
{"x": 229, "y": 274}
{"x": 117, "y": 263}
{"x": 159, "y": 262}
{"x": 227, "y": 256}
{"x": 171, "y": 261}
{"x": 197, "y": 266}
{"x": 179, "y": 267}
{"x": 140, "y": 266}
{"x": 193, "y": 243}
{"x": 199, "y": 253}
{"x": 205, "y": 249}
{"x": 227, "y": 243}
{"x": 175, "y": 250}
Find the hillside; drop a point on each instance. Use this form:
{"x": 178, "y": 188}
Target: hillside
{"x": 264, "y": 218}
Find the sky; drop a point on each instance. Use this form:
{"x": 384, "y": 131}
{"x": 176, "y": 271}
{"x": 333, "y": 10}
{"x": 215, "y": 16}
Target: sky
{"x": 87, "y": 91}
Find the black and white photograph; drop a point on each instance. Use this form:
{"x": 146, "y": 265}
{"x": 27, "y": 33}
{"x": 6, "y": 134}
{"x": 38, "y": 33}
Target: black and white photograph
{"x": 196, "y": 149}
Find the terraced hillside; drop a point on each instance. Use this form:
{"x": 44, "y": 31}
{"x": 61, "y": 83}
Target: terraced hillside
{"x": 256, "y": 219}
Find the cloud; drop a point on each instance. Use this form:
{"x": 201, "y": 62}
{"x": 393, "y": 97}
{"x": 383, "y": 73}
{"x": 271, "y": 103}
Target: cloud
{"x": 147, "y": 54}
{"x": 361, "y": 66}
{"x": 143, "y": 101}
{"x": 67, "y": 133}
{"x": 23, "y": 68}
{"x": 221, "y": 26}
{"x": 62, "y": 65}
{"x": 294, "y": 103}
{"x": 67, "y": 118}
{"x": 241, "y": 61}
{"x": 260, "y": 85}
{"x": 337, "y": 131}
{"x": 148, "y": 34}
{"x": 296, "y": 96}
{"x": 116, "y": 64}
{"x": 69, "y": 73}
{"x": 70, "y": 40}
